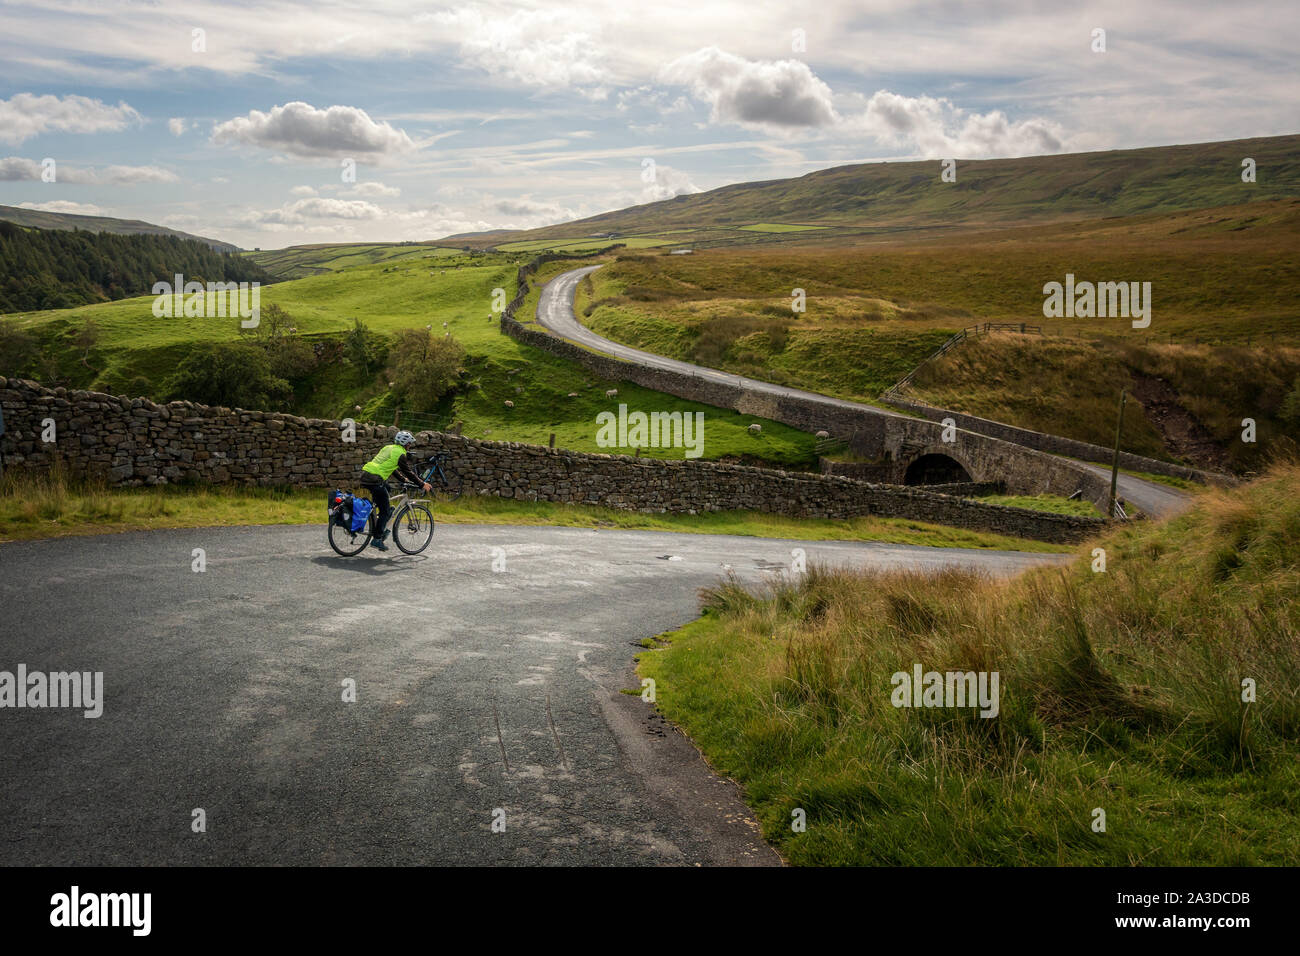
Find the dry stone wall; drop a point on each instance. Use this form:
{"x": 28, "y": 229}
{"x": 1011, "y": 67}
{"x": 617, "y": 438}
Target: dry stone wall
{"x": 133, "y": 442}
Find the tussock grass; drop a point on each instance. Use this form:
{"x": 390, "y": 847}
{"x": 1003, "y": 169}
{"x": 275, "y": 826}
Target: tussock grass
{"x": 1120, "y": 691}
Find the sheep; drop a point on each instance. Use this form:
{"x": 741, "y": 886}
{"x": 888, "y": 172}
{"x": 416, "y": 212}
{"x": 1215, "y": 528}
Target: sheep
{"x": 573, "y": 395}
{"x": 756, "y": 429}
{"x": 509, "y": 404}
{"x": 611, "y": 393}
{"x": 823, "y": 434}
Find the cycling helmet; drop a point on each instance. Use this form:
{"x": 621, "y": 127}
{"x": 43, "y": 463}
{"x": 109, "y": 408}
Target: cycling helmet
{"x": 405, "y": 439}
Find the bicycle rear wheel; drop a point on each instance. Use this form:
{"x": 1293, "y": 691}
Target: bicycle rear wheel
{"x": 348, "y": 543}
{"x": 450, "y": 487}
{"x": 413, "y": 528}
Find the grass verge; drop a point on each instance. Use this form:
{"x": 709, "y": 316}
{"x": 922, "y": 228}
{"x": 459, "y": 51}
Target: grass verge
{"x": 1053, "y": 504}
{"x": 44, "y": 506}
{"x": 1121, "y": 692}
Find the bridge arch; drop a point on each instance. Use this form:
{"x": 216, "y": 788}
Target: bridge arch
{"x": 938, "y": 465}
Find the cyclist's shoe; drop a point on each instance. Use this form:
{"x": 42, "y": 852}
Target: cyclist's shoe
{"x": 379, "y": 542}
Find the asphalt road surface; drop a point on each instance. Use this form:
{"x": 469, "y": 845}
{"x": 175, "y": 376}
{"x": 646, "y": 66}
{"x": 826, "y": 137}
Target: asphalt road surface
{"x": 477, "y": 689}
{"x": 555, "y": 312}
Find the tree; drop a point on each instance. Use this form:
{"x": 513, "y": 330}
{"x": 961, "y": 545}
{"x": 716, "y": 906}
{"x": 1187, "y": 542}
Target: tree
{"x": 290, "y": 356}
{"x": 423, "y": 367}
{"x": 366, "y": 350}
{"x": 17, "y": 350}
{"x": 234, "y": 374}
{"x": 86, "y": 339}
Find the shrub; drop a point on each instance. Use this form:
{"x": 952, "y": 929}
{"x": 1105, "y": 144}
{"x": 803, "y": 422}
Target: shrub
{"x": 234, "y": 374}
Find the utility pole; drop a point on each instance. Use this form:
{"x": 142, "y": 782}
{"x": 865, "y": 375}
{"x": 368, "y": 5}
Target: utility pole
{"x": 1114, "y": 468}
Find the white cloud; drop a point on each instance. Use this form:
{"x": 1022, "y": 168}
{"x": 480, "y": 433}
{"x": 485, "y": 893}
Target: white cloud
{"x": 787, "y": 96}
{"x": 667, "y": 183}
{"x": 121, "y": 175}
{"x": 176, "y": 126}
{"x": 539, "y": 49}
{"x": 301, "y": 129}
{"x": 374, "y": 190}
{"x": 297, "y": 213}
{"x": 783, "y": 94}
{"x": 938, "y": 128}
{"x": 18, "y": 169}
{"x": 64, "y": 206}
{"x": 25, "y": 115}
{"x": 303, "y": 191}
{"x": 526, "y": 213}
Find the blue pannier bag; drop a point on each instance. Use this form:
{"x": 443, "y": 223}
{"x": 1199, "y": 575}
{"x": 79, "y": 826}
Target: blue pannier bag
{"x": 361, "y": 508}
{"x": 340, "y": 508}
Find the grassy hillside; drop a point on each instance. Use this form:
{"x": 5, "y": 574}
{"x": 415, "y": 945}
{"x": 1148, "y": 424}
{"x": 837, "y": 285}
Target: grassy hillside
{"x": 135, "y": 352}
{"x": 1068, "y": 387}
{"x": 1228, "y": 275}
{"x": 881, "y": 199}
{"x": 39, "y": 219}
{"x": 1119, "y": 690}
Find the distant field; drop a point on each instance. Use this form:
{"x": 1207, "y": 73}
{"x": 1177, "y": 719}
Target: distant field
{"x": 779, "y": 227}
{"x": 298, "y": 262}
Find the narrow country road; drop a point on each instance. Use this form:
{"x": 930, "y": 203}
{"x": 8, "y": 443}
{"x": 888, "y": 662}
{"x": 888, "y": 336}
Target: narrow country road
{"x": 488, "y": 687}
{"x": 555, "y": 312}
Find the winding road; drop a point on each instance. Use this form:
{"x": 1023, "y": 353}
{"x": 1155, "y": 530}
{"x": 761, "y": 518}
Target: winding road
{"x": 555, "y": 312}
{"x": 488, "y": 688}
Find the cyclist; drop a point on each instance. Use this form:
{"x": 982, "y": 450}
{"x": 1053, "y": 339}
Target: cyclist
{"x": 375, "y": 474}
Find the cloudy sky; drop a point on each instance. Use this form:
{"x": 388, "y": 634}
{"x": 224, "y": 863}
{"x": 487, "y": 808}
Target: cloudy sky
{"x": 242, "y": 120}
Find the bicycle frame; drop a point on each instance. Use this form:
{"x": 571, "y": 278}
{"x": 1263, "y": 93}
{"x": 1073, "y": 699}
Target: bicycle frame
{"x": 435, "y": 470}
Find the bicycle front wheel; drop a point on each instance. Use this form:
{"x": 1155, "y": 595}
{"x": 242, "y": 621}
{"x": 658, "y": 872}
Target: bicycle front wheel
{"x": 413, "y": 528}
{"x": 347, "y": 543}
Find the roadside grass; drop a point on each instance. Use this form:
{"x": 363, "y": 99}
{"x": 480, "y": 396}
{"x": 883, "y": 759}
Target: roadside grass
{"x": 1050, "y": 503}
{"x": 1121, "y": 691}
{"x": 46, "y": 505}
{"x": 1170, "y": 480}
{"x": 844, "y": 351}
